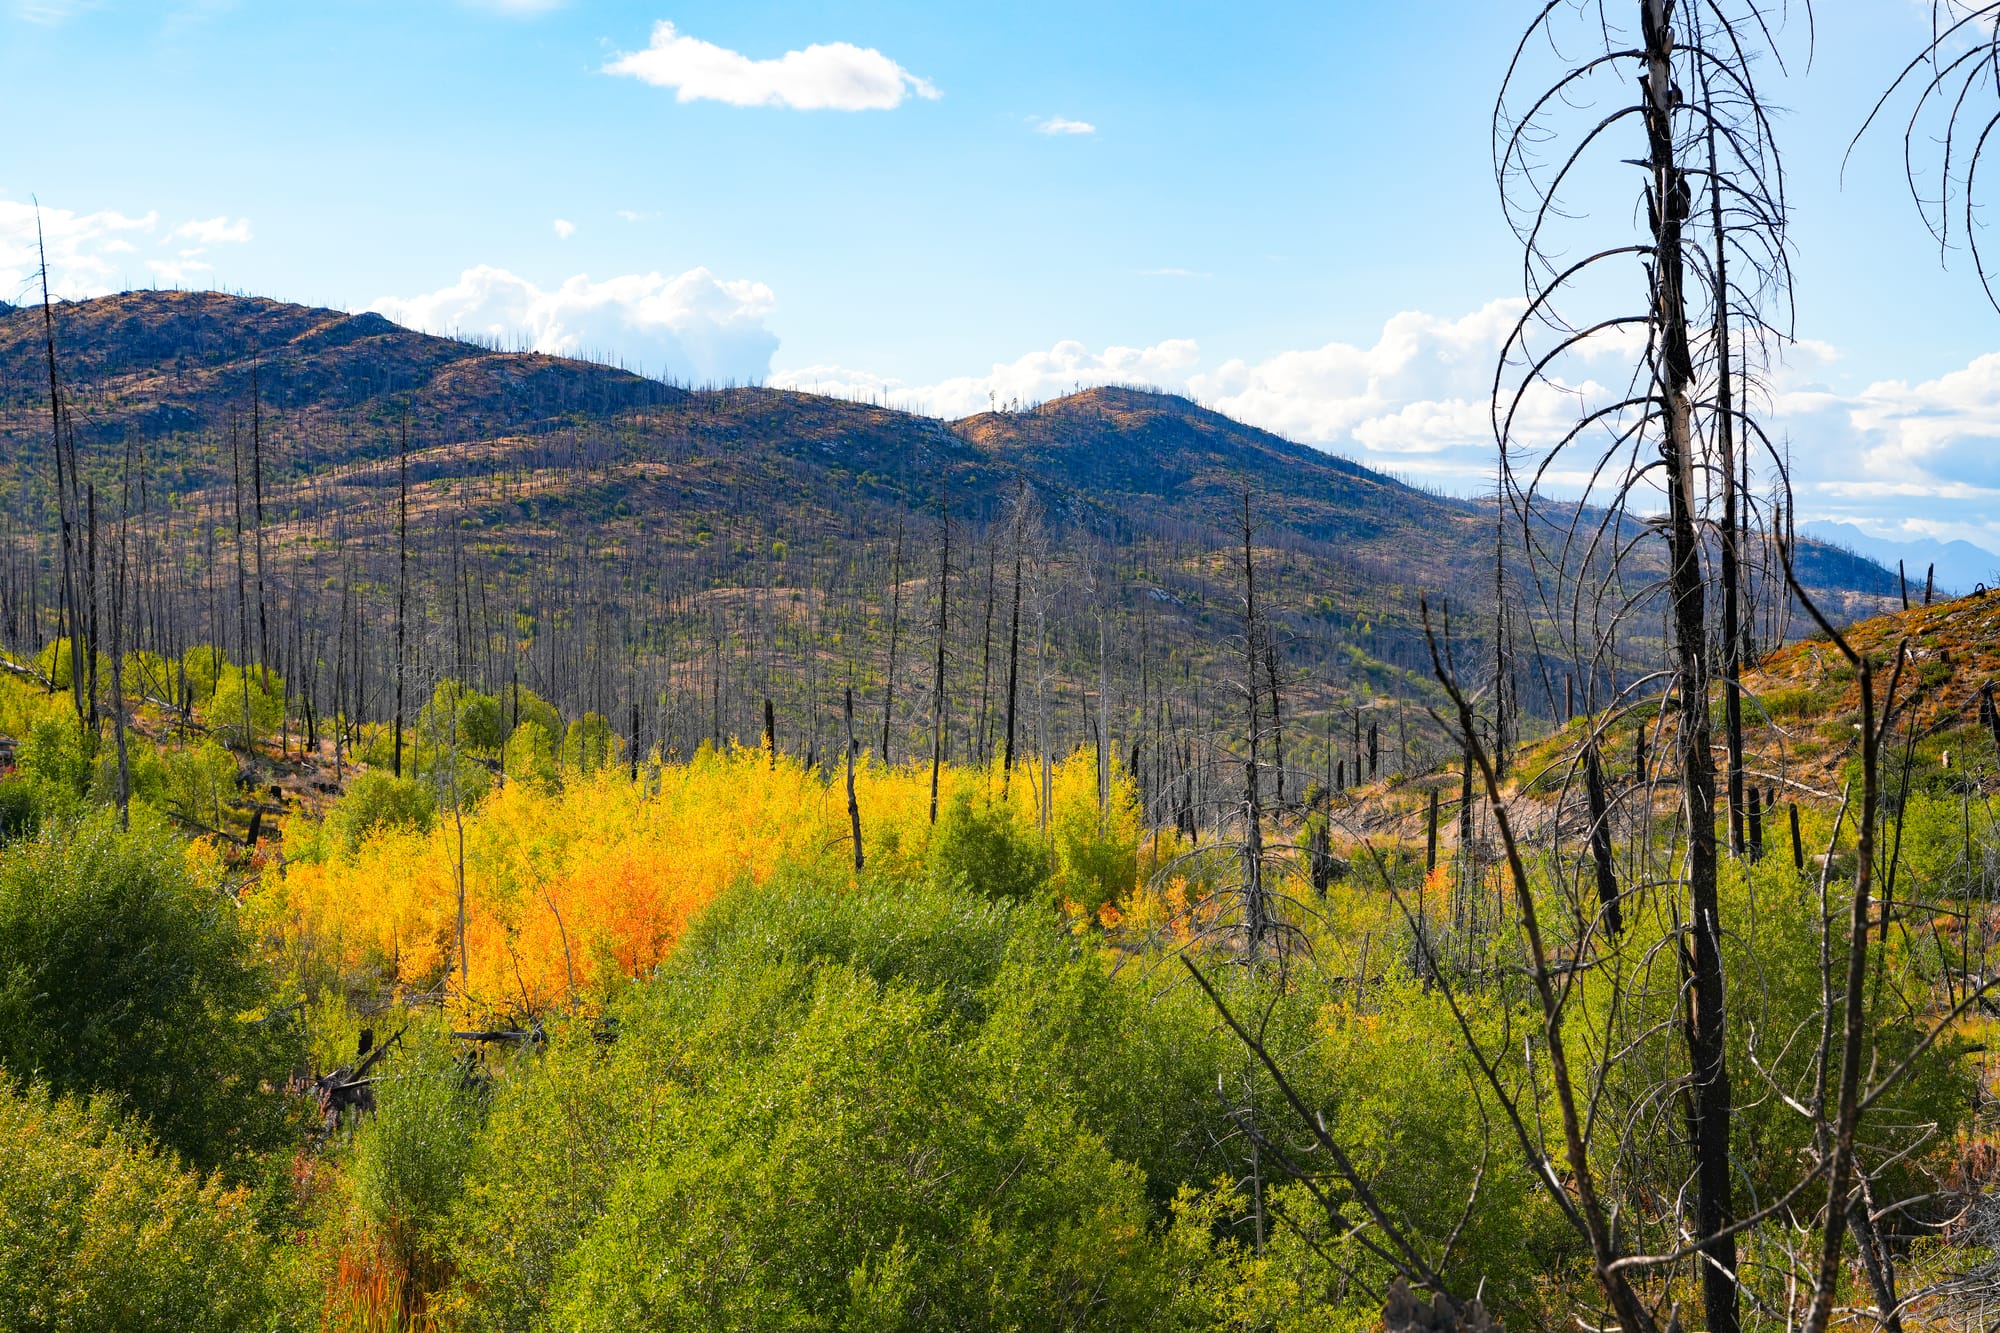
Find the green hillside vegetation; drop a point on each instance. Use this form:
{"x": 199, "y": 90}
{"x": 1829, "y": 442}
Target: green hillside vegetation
{"x": 938, "y": 1092}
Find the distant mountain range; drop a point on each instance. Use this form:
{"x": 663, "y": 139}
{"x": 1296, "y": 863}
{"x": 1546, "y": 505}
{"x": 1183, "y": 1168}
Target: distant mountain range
{"x": 1960, "y": 565}
{"x": 633, "y": 540}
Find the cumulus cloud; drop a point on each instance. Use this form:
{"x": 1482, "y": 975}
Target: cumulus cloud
{"x": 215, "y": 231}
{"x": 185, "y": 271}
{"x": 1036, "y": 377}
{"x": 833, "y": 76}
{"x": 1421, "y": 388}
{"x": 84, "y": 249}
{"x": 691, "y": 327}
{"x": 1897, "y": 454}
{"x": 564, "y": 229}
{"x": 1063, "y": 125}
{"x": 1922, "y": 458}
{"x": 93, "y": 253}
{"x": 1415, "y": 399}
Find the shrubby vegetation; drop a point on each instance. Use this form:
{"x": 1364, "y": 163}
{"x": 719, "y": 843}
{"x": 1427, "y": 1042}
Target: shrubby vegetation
{"x": 125, "y": 969}
{"x": 101, "y": 1229}
{"x": 733, "y": 1082}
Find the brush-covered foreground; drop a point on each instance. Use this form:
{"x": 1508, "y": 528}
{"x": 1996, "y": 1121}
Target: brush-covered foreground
{"x": 649, "y": 1052}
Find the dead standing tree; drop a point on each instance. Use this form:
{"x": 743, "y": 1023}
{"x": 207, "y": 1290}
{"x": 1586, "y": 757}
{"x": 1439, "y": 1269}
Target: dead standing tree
{"x": 1668, "y": 89}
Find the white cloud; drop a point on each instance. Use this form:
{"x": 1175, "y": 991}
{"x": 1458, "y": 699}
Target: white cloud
{"x": 1421, "y": 388}
{"x": 91, "y": 254}
{"x": 564, "y": 229}
{"x": 1036, "y": 377}
{"x": 1417, "y": 401}
{"x": 215, "y": 231}
{"x": 1063, "y": 125}
{"x": 1896, "y": 453}
{"x": 182, "y": 272}
{"x": 81, "y": 248}
{"x": 835, "y": 76}
{"x": 692, "y": 327}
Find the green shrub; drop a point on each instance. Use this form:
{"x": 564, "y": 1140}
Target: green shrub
{"x": 122, "y": 971}
{"x": 248, "y": 703}
{"x": 204, "y": 666}
{"x": 149, "y": 674}
{"x": 200, "y": 783}
{"x": 377, "y": 800}
{"x": 530, "y": 756}
{"x": 99, "y": 1230}
{"x": 20, "y": 809}
{"x": 861, "y": 1170}
{"x": 56, "y": 662}
{"x": 146, "y": 772}
{"x": 457, "y": 714}
{"x": 904, "y": 1106}
{"x": 58, "y": 755}
{"x": 522, "y": 705}
{"x": 589, "y": 744}
{"x": 980, "y": 845}
{"x": 411, "y": 1156}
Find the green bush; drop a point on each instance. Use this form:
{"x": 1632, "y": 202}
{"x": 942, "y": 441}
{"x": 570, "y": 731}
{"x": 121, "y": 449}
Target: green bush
{"x": 377, "y": 800}
{"x": 146, "y": 772}
{"x": 58, "y": 755}
{"x": 522, "y": 705}
{"x": 589, "y": 744}
{"x": 200, "y": 783}
{"x": 56, "y": 662}
{"x": 99, "y": 1230}
{"x": 248, "y": 703}
{"x": 122, "y": 971}
{"x": 410, "y": 1158}
{"x": 981, "y": 846}
{"x": 457, "y": 714}
{"x": 908, "y": 1106}
{"x": 204, "y": 666}
{"x": 530, "y": 756}
{"x": 864, "y": 1172}
{"x": 149, "y": 674}
{"x": 20, "y": 809}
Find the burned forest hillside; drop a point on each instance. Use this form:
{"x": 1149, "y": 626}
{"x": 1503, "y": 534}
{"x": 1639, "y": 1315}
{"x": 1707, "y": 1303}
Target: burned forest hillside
{"x": 302, "y": 484}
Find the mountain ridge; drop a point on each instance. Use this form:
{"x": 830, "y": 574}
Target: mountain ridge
{"x": 643, "y": 533}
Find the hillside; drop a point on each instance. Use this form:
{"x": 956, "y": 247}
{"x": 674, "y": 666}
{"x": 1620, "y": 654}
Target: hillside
{"x": 672, "y": 558}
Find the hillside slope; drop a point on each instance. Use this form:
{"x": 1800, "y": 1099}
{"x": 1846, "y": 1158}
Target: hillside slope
{"x": 673, "y": 557}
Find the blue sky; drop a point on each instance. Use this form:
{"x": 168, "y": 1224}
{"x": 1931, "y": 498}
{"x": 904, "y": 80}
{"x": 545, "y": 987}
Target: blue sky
{"x": 1287, "y": 209}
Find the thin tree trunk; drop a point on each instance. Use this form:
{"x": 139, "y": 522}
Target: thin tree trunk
{"x": 938, "y": 683}
{"x": 118, "y": 654}
{"x": 1600, "y": 842}
{"x": 1013, "y": 646}
{"x": 853, "y": 805}
{"x": 895, "y": 627}
{"x": 1725, "y": 436}
{"x": 1255, "y": 910}
{"x": 1674, "y": 371}
{"x": 402, "y": 576}
{"x": 986, "y": 655}
{"x": 66, "y": 488}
